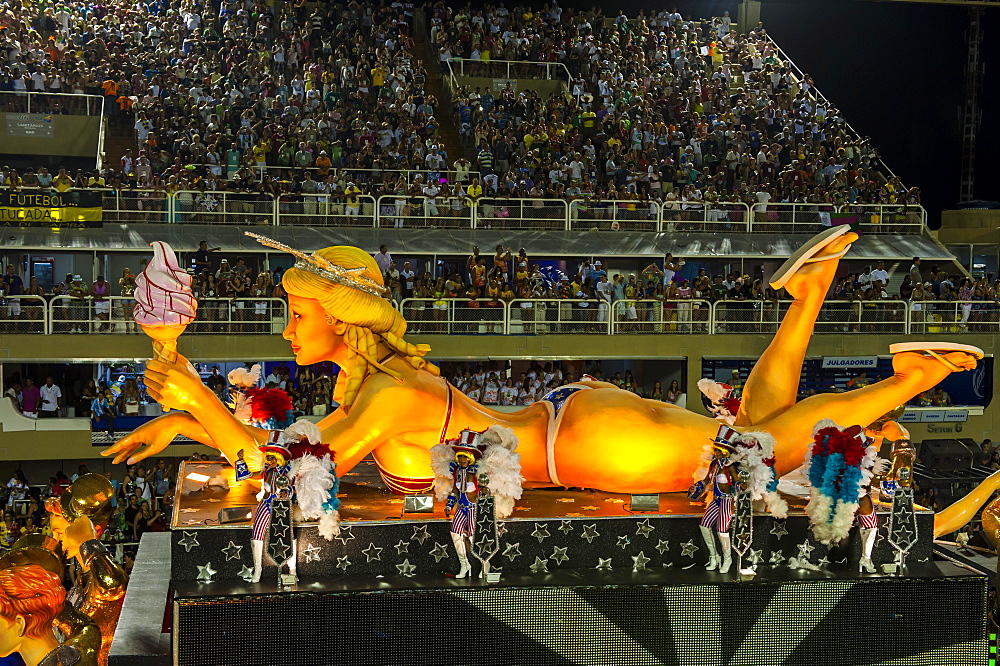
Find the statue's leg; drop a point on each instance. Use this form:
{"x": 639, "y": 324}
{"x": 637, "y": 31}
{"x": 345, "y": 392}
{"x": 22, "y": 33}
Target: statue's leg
{"x": 773, "y": 383}
{"x": 914, "y": 372}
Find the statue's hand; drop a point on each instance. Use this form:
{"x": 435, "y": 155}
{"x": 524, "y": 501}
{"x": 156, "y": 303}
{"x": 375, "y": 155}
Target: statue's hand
{"x": 155, "y": 435}
{"x": 175, "y": 385}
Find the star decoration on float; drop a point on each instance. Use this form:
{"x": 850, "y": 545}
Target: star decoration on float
{"x": 639, "y": 561}
{"x": 644, "y": 528}
{"x": 345, "y": 534}
{"x": 559, "y": 555}
{"x": 540, "y": 565}
{"x": 373, "y": 552}
{"x": 402, "y": 547}
{"x": 755, "y": 556}
{"x": 232, "y": 551}
{"x": 623, "y": 541}
{"x": 189, "y": 541}
{"x": 662, "y": 546}
{"x": 688, "y": 549}
{"x": 246, "y": 573}
{"x": 565, "y": 526}
{"x": 512, "y": 551}
{"x": 439, "y": 551}
{"x": 406, "y": 568}
{"x": 823, "y": 561}
{"x": 311, "y": 553}
{"x": 501, "y": 529}
{"x": 603, "y": 564}
{"x": 206, "y": 572}
{"x": 777, "y": 558}
{"x": 420, "y": 534}
{"x": 779, "y": 530}
{"x": 589, "y": 508}
{"x": 902, "y": 535}
{"x": 485, "y": 543}
{"x": 541, "y": 532}
{"x": 590, "y": 533}
{"x": 343, "y": 563}
{"x": 805, "y": 550}
{"x": 280, "y": 531}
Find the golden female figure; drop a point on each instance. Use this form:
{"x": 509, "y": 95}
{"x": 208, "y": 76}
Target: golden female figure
{"x": 395, "y": 405}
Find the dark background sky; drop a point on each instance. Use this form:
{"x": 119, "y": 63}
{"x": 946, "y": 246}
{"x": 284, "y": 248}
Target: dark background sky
{"x": 896, "y": 72}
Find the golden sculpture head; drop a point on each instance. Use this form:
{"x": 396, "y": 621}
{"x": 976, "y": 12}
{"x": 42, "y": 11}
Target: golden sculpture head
{"x": 30, "y": 598}
{"x": 331, "y": 320}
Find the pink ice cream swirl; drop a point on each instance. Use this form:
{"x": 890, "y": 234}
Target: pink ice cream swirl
{"x": 163, "y": 295}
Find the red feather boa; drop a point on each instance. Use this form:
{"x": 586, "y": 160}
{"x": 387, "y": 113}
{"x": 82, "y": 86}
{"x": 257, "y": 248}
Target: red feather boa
{"x": 267, "y": 403}
{"x": 843, "y": 442}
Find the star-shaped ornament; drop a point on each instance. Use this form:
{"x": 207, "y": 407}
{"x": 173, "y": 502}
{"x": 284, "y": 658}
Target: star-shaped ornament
{"x": 623, "y": 541}
{"x": 512, "y": 551}
{"x": 589, "y": 508}
{"x": 559, "y": 555}
{"x": 688, "y": 549}
{"x": 311, "y": 553}
{"x": 590, "y": 533}
{"x": 823, "y": 561}
{"x": 565, "y": 526}
{"x": 755, "y": 557}
{"x": 345, "y": 534}
{"x": 406, "y": 568}
{"x": 439, "y": 551}
{"x": 777, "y": 558}
{"x": 639, "y": 561}
{"x": 806, "y": 549}
{"x": 206, "y": 572}
{"x": 485, "y": 544}
{"x": 779, "y": 530}
{"x": 373, "y": 552}
{"x": 420, "y": 534}
{"x": 189, "y": 541}
{"x": 343, "y": 563}
{"x": 501, "y": 529}
{"x": 402, "y": 547}
{"x": 541, "y": 532}
{"x": 540, "y": 565}
{"x": 662, "y": 546}
{"x": 603, "y": 564}
{"x": 246, "y": 573}
{"x": 232, "y": 551}
{"x": 644, "y": 528}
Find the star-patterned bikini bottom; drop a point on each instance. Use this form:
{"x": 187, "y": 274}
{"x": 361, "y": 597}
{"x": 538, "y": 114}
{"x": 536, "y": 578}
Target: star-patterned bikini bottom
{"x": 557, "y": 399}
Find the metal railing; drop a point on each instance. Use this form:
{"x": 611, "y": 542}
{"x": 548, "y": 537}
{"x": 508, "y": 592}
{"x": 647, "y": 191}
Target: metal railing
{"x": 764, "y": 316}
{"x": 113, "y": 314}
{"x": 211, "y": 207}
{"x": 510, "y": 69}
{"x": 522, "y": 316}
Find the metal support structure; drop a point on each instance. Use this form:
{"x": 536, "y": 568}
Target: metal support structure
{"x": 971, "y": 114}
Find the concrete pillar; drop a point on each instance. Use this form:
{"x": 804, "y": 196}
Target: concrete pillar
{"x": 748, "y": 16}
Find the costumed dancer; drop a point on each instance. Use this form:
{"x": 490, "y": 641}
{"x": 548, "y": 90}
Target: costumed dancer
{"x": 31, "y": 598}
{"x": 457, "y": 464}
{"x": 724, "y": 403}
{"x": 840, "y": 466}
{"x": 293, "y": 474}
{"x": 723, "y": 474}
{"x": 755, "y": 454}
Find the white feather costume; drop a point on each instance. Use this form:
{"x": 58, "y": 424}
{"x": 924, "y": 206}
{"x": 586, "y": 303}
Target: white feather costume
{"x": 499, "y": 461}
{"x": 752, "y": 449}
{"x": 315, "y": 479}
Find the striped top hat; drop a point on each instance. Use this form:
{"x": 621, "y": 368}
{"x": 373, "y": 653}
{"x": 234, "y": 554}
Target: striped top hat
{"x": 469, "y": 443}
{"x": 272, "y": 446}
{"x": 724, "y": 438}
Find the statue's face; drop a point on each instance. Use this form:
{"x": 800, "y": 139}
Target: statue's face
{"x": 313, "y": 340}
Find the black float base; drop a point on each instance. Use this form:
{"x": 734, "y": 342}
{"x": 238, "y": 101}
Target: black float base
{"x": 932, "y": 614}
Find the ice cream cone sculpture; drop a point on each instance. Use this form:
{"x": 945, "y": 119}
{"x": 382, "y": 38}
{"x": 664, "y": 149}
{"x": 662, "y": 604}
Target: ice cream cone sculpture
{"x": 164, "y": 302}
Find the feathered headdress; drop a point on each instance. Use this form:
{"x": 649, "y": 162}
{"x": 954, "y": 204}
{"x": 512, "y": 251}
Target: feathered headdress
{"x": 840, "y": 465}
{"x": 315, "y": 477}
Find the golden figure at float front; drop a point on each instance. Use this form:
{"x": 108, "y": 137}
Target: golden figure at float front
{"x": 395, "y": 406}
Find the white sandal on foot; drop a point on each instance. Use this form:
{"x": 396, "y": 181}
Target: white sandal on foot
{"x": 932, "y": 349}
{"x": 807, "y": 254}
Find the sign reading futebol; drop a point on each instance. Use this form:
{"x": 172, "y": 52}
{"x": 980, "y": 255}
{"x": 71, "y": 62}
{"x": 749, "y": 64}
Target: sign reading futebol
{"x": 74, "y": 208}
{"x": 30, "y": 124}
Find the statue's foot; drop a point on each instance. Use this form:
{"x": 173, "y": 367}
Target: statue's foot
{"x": 810, "y": 271}
{"x": 933, "y": 361}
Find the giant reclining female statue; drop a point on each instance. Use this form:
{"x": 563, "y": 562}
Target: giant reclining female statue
{"x": 395, "y": 406}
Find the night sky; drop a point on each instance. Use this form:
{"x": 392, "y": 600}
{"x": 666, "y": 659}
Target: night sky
{"x": 896, "y": 72}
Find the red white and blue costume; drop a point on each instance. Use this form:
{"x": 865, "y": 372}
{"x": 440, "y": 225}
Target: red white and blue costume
{"x": 722, "y": 470}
